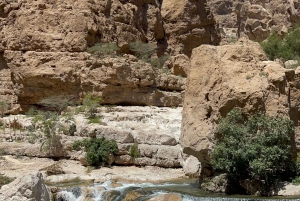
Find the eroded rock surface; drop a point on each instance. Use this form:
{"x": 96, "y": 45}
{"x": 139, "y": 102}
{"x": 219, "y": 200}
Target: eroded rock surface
{"x": 231, "y": 76}
{"x": 255, "y": 19}
{"x": 43, "y": 46}
{"x": 29, "y": 187}
{"x": 155, "y": 130}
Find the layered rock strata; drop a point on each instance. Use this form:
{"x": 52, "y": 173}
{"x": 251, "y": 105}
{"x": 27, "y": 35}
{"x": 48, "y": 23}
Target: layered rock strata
{"x": 43, "y": 44}
{"x": 154, "y": 130}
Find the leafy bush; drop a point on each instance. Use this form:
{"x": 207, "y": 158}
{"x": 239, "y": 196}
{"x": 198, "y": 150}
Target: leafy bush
{"x": 94, "y": 120}
{"x": 102, "y": 49}
{"x": 134, "y": 151}
{"x": 287, "y": 48}
{"x": 144, "y": 51}
{"x": 258, "y": 149}
{"x": 5, "y": 180}
{"x": 58, "y": 103}
{"x": 159, "y": 62}
{"x": 97, "y": 149}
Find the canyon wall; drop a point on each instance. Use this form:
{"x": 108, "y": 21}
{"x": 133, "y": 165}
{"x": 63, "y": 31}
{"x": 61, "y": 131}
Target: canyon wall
{"x": 43, "y": 48}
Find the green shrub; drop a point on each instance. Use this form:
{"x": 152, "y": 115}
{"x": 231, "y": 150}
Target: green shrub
{"x": 94, "y": 120}
{"x": 142, "y": 50}
{"x": 72, "y": 129}
{"x": 296, "y": 181}
{"x": 58, "y": 103}
{"x": 134, "y": 151}
{"x": 5, "y": 180}
{"x": 258, "y": 149}
{"x": 102, "y": 49}
{"x": 287, "y": 48}
{"x": 97, "y": 149}
{"x": 159, "y": 62}
{"x": 91, "y": 103}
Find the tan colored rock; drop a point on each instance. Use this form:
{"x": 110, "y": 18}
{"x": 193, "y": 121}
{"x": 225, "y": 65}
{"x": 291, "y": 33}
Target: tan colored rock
{"x": 132, "y": 196}
{"x": 28, "y": 187}
{"x": 200, "y": 29}
{"x": 158, "y": 139}
{"x": 167, "y": 197}
{"x": 123, "y": 160}
{"x": 179, "y": 65}
{"x": 7, "y": 93}
{"x": 191, "y": 166}
{"x": 230, "y": 76}
{"x": 256, "y": 19}
{"x": 116, "y": 80}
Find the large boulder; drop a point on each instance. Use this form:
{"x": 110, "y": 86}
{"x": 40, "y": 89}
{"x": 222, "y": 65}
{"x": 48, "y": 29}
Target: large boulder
{"x": 222, "y": 78}
{"x": 29, "y": 187}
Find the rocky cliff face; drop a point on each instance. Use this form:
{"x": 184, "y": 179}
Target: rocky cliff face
{"x": 229, "y": 76}
{"x": 255, "y": 19}
{"x": 43, "y": 47}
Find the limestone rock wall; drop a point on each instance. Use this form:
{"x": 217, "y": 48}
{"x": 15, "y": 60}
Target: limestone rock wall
{"x": 229, "y": 76}
{"x": 44, "y": 45}
{"x": 255, "y": 19}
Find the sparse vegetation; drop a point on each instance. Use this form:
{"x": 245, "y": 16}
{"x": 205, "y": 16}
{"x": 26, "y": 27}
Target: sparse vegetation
{"x": 102, "y": 49}
{"x": 134, "y": 151}
{"x": 5, "y": 180}
{"x": 58, "y": 103}
{"x": 97, "y": 149}
{"x": 258, "y": 148}
{"x": 94, "y": 120}
{"x": 91, "y": 103}
{"x": 287, "y": 48}
{"x": 144, "y": 51}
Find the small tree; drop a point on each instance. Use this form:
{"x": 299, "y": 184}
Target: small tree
{"x": 51, "y": 143}
{"x": 258, "y": 149}
{"x": 91, "y": 103}
{"x": 58, "y": 103}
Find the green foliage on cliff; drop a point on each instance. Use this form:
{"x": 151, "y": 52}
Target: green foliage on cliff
{"x": 103, "y": 49}
{"x": 144, "y": 51}
{"x": 287, "y": 48}
{"x": 97, "y": 149}
{"x": 258, "y": 148}
{"x": 134, "y": 151}
{"x": 90, "y": 103}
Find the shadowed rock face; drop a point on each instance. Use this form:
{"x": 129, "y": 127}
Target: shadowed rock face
{"x": 229, "y": 76}
{"x": 44, "y": 45}
{"x": 255, "y": 19}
